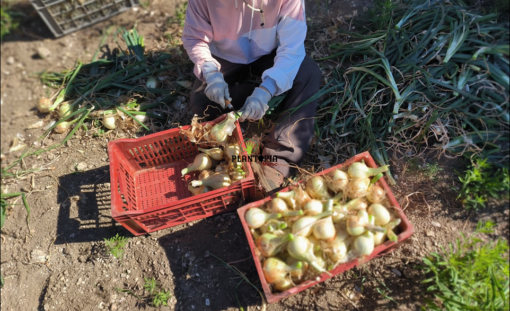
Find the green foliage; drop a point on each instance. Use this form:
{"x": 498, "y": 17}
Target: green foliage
{"x": 159, "y": 296}
{"x": 480, "y": 182}
{"x": 180, "y": 15}
{"x": 380, "y": 15}
{"x": 116, "y": 245}
{"x": 470, "y": 275}
{"x": 9, "y": 18}
{"x": 429, "y": 170}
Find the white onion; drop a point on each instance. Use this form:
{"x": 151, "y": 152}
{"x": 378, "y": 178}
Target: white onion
{"x": 151, "y": 83}
{"x": 324, "y": 229}
{"x": 109, "y": 122}
{"x": 270, "y": 245}
{"x": 313, "y": 207}
{"x": 339, "y": 180}
{"x": 301, "y": 249}
{"x": 201, "y": 162}
{"x": 317, "y": 189}
{"x": 381, "y": 214}
{"x": 256, "y": 218}
{"x": 361, "y": 170}
{"x": 364, "y": 243}
{"x": 304, "y": 225}
{"x": 357, "y": 188}
{"x": 44, "y": 105}
{"x": 277, "y": 205}
{"x": 375, "y": 194}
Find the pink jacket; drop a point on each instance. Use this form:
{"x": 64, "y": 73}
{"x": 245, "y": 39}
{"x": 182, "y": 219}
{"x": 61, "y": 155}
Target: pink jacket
{"x": 241, "y": 31}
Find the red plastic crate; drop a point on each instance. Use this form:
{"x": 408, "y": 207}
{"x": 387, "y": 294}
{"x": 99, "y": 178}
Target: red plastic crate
{"x": 148, "y": 192}
{"x": 405, "y": 229}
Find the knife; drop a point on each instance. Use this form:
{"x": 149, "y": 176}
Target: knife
{"x": 229, "y": 106}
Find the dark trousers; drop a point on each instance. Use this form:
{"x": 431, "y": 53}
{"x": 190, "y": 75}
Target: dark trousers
{"x": 291, "y": 137}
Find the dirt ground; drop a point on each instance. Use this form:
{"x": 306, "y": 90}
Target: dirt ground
{"x": 59, "y": 261}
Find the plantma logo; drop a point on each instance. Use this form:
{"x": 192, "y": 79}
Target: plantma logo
{"x": 252, "y": 148}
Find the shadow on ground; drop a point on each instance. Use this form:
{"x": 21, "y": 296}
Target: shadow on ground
{"x": 195, "y": 254}
{"x": 84, "y": 215}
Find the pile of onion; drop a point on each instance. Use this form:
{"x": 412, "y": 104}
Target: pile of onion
{"x": 215, "y": 165}
{"x": 321, "y": 223}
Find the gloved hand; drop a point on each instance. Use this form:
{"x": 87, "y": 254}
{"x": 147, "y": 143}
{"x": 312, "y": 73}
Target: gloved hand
{"x": 255, "y": 106}
{"x": 217, "y": 88}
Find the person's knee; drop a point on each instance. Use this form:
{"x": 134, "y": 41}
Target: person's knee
{"x": 310, "y": 69}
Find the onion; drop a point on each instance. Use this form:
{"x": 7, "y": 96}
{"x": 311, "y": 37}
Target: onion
{"x": 44, "y": 105}
{"x": 356, "y": 224}
{"x": 304, "y": 225}
{"x": 341, "y": 211}
{"x": 141, "y": 117}
{"x": 216, "y": 181}
{"x": 364, "y": 243}
{"x": 270, "y": 245}
{"x": 339, "y": 180}
{"x": 277, "y": 205}
{"x": 220, "y": 131}
{"x": 301, "y": 249}
{"x": 313, "y": 207}
{"x": 109, "y": 122}
{"x": 214, "y": 153}
{"x": 357, "y": 188}
{"x": 289, "y": 199}
{"x": 315, "y": 242}
{"x": 256, "y": 218}
{"x": 379, "y": 238}
{"x": 235, "y": 176}
{"x": 381, "y": 214}
{"x": 317, "y": 189}
{"x": 339, "y": 246}
{"x": 62, "y": 127}
{"x": 283, "y": 285}
{"x": 324, "y": 229}
{"x": 358, "y": 170}
{"x": 375, "y": 194}
{"x": 64, "y": 109}
{"x": 232, "y": 150}
{"x": 201, "y": 162}
{"x": 275, "y": 270}
{"x": 151, "y": 83}
{"x": 298, "y": 269}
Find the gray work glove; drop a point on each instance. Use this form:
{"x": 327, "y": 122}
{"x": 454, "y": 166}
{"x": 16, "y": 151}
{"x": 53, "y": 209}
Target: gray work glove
{"x": 217, "y": 88}
{"x": 255, "y": 106}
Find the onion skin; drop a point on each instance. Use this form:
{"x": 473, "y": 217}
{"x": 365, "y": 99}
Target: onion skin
{"x": 64, "y": 109}
{"x": 222, "y": 130}
{"x": 283, "y": 285}
{"x": 44, "y": 105}
{"x": 299, "y": 269}
{"x": 356, "y": 224}
{"x": 62, "y": 127}
{"x": 195, "y": 191}
{"x": 339, "y": 180}
{"x": 358, "y": 188}
{"x": 270, "y": 245}
{"x": 317, "y": 189}
{"x": 275, "y": 270}
{"x": 375, "y": 194}
{"x": 204, "y": 174}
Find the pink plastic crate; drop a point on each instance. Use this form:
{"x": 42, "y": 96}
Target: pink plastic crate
{"x": 405, "y": 229}
{"x": 148, "y": 192}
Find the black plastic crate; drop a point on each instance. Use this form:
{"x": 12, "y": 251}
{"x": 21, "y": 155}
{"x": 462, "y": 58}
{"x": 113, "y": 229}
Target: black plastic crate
{"x": 66, "y": 16}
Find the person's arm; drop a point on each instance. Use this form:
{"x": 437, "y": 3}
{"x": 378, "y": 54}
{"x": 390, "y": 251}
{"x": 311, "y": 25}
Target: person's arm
{"x": 291, "y": 31}
{"x": 197, "y": 35}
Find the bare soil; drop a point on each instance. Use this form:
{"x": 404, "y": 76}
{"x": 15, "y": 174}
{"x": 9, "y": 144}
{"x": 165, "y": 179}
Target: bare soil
{"x": 59, "y": 260}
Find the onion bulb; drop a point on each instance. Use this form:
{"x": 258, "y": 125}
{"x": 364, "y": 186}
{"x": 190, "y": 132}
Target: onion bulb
{"x": 214, "y": 153}
{"x": 358, "y": 170}
{"x": 195, "y": 191}
{"x": 270, "y": 245}
{"x": 256, "y": 218}
{"x": 283, "y": 285}
{"x": 151, "y": 83}
{"x": 62, "y": 127}
{"x": 232, "y": 150}
{"x": 215, "y": 181}
{"x": 379, "y": 238}
{"x": 298, "y": 269}
{"x": 315, "y": 242}
{"x": 44, "y": 105}
{"x": 64, "y": 109}
{"x": 339, "y": 180}
{"x": 313, "y": 207}
{"x": 277, "y": 205}
{"x": 109, "y": 122}
{"x": 317, "y": 188}
{"x": 220, "y": 131}
{"x": 341, "y": 211}
{"x": 275, "y": 270}
{"x": 141, "y": 117}
{"x": 357, "y": 188}
{"x": 289, "y": 198}
{"x": 381, "y": 214}
{"x": 301, "y": 249}
{"x": 304, "y": 225}
{"x": 375, "y": 194}
{"x": 356, "y": 224}
{"x": 364, "y": 243}
{"x": 299, "y": 195}
{"x": 204, "y": 174}
{"x": 324, "y": 229}
{"x": 339, "y": 246}
{"x": 201, "y": 162}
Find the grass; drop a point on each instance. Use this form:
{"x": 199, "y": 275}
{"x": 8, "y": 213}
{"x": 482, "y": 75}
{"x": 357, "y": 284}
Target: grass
{"x": 158, "y": 296}
{"x": 9, "y": 19}
{"x": 180, "y": 15}
{"x": 116, "y": 245}
{"x": 470, "y": 274}
{"x": 480, "y": 182}
{"x": 428, "y": 170}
